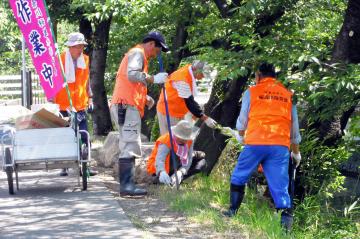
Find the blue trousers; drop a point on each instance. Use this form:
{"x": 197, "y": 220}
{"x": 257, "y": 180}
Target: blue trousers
{"x": 275, "y": 162}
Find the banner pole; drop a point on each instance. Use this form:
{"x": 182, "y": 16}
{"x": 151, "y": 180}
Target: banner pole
{"x": 58, "y": 55}
{"x": 24, "y": 85}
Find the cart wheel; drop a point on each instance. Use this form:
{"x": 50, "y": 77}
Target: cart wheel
{"x": 84, "y": 175}
{"x": 9, "y": 171}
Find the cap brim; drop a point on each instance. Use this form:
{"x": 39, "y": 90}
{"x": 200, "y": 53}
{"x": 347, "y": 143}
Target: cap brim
{"x": 164, "y": 47}
{"x": 193, "y": 135}
{"x": 75, "y": 43}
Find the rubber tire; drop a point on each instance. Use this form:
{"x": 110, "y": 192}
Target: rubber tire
{"x": 84, "y": 175}
{"x": 9, "y": 171}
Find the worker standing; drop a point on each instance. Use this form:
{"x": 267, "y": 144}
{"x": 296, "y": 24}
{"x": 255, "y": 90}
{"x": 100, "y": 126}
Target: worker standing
{"x": 268, "y": 126}
{"x": 76, "y": 68}
{"x": 128, "y": 104}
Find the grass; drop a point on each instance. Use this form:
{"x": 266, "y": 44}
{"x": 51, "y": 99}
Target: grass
{"x": 204, "y": 199}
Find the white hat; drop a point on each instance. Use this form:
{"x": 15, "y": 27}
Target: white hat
{"x": 75, "y": 38}
{"x": 183, "y": 130}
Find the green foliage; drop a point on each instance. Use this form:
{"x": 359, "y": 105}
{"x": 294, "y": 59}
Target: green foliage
{"x": 315, "y": 219}
{"x": 205, "y": 198}
{"x": 155, "y": 130}
{"x": 320, "y": 166}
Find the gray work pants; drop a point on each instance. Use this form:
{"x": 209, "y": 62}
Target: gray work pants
{"x": 129, "y": 131}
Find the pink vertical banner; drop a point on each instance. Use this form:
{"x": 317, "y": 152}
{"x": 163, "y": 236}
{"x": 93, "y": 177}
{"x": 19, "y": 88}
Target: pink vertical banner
{"x": 31, "y": 16}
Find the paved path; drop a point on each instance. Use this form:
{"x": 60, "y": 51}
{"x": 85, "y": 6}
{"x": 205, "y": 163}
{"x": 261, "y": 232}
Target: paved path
{"x": 48, "y": 206}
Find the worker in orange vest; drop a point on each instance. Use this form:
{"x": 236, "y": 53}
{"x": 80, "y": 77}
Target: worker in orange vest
{"x": 188, "y": 161}
{"x": 76, "y": 68}
{"x": 181, "y": 90}
{"x": 268, "y": 126}
{"x": 128, "y": 104}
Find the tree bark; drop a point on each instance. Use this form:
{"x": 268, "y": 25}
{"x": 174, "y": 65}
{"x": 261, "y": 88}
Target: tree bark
{"x": 86, "y": 29}
{"x": 347, "y": 44}
{"x": 101, "y": 115}
{"x": 346, "y": 50}
{"x": 225, "y": 9}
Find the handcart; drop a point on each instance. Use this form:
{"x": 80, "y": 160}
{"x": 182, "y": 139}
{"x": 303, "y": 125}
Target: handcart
{"x": 44, "y": 149}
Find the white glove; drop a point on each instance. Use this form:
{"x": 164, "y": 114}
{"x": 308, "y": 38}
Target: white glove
{"x": 297, "y": 158}
{"x": 180, "y": 175}
{"x": 210, "y": 122}
{"x": 237, "y": 136}
{"x": 164, "y": 178}
{"x": 149, "y": 102}
{"x": 160, "y": 78}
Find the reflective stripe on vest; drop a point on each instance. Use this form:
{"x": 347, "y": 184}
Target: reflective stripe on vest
{"x": 127, "y": 92}
{"x": 177, "y": 106}
{"x": 151, "y": 163}
{"x": 270, "y": 114}
{"x": 78, "y": 89}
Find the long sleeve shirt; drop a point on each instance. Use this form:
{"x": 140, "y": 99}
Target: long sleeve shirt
{"x": 188, "y": 96}
{"x": 163, "y": 152}
{"x": 135, "y": 67}
{"x": 242, "y": 121}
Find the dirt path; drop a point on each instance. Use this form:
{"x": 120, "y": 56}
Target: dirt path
{"x": 150, "y": 214}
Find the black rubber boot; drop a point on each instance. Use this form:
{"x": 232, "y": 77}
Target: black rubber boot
{"x": 287, "y": 219}
{"x": 236, "y": 196}
{"x": 126, "y": 178}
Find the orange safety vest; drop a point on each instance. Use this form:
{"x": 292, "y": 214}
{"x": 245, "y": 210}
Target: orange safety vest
{"x": 78, "y": 89}
{"x": 270, "y": 114}
{"x": 177, "y": 106}
{"x": 164, "y": 139}
{"x": 127, "y": 92}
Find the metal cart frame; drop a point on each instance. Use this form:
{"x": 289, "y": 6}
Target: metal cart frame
{"x": 44, "y": 149}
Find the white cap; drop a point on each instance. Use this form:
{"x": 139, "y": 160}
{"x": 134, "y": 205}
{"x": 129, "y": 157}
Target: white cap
{"x": 75, "y": 38}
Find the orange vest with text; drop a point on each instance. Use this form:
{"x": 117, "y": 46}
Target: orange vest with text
{"x": 164, "y": 139}
{"x": 127, "y": 92}
{"x": 78, "y": 89}
{"x": 177, "y": 106}
{"x": 269, "y": 120}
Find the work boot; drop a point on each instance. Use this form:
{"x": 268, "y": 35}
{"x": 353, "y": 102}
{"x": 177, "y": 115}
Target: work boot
{"x": 287, "y": 219}
{"x": 126, "y": 178}
{"x": 64, "y": 172}
{"x": 236, "y": 196}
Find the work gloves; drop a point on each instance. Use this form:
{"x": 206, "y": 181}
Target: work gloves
{"x": 160, "y": 78}
{"x": 210, "y": 122}
{"x": 164, "y": 178}
{"x": 237, "y": 136}
{"x": 180, "y": 175}
{"x": 297, "y": 158}
{"x": 149, "y": 102}
{"x": 234, "y": 133}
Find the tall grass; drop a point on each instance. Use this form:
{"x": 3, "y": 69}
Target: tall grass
{"x": 203, "y": 199}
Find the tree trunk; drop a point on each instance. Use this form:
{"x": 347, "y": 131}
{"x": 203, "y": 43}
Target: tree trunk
{"x": 101, "y": 115}
{"x": 86, "y": 29}
{"x": 347, "y": 44}
{"x": 225, "y": 112}
{"x": 346, "y": 50}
